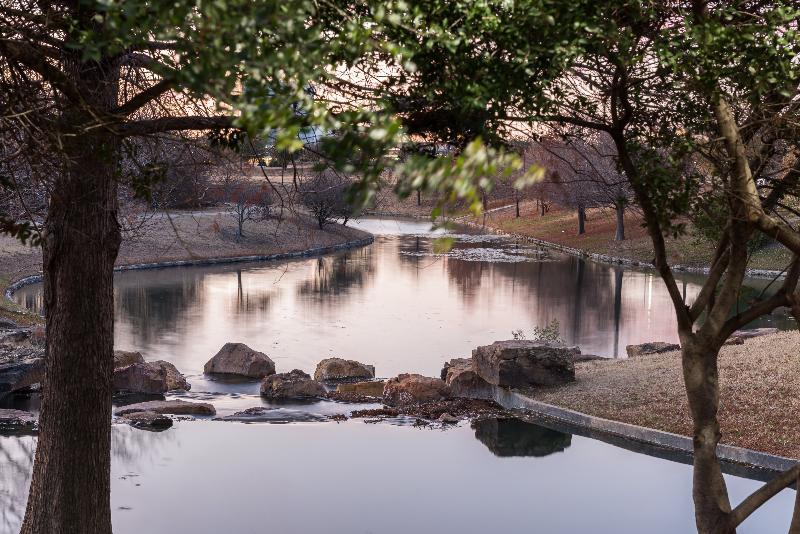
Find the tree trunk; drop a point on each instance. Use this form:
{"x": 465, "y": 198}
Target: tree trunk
{"x": 710, "y": 493}
{"x": 419, "y": 198}
{"x": 581, "y": 220}
{"x": 70, "y": 488}
{"x": 517, "y": 210}
{"x": 619, "y": 206}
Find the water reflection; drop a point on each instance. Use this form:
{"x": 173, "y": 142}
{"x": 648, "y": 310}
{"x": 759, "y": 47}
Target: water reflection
{"x": 16, "y": 465}
{"x": 152, "y": 309}
{"x": 398, "y": 304}
{"x": 514, "y": 437}
{"x": 335, "y": 276}
{"x": 210, "y": 477}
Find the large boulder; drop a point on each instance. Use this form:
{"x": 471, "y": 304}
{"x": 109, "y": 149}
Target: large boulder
{"x": 20, "y": 374}
{"x": 460, "y": 376}
{"x": 649, "y": 349}
{"x": 174, "y": 407}
{"x": 522, "y": 363}
{"x": 331, "y": 369}
{"x": 149, "y": 378}
{"x": 240, "y": 360}
{"x": 406, "y": 389}
{"x": 123, "y": 358}
{"x": 292, "y": 385}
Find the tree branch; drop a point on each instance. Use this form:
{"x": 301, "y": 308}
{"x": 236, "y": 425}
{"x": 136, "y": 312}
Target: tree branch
{"x": 167, "y": 124}
{"x": 33, "y": 58}
{"x": 783, "y": 297}
{"x": 762, "y": 495}
{"x": 144, "y": 97}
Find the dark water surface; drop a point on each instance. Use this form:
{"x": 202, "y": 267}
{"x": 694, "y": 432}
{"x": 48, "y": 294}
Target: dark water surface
{"x": 400, "y": 306}
{"x": 205, "y": 477}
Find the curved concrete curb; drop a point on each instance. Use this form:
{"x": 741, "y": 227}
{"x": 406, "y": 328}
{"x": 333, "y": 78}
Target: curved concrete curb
{"x": 35, "y": 278}
{"x": 514, "y": 400}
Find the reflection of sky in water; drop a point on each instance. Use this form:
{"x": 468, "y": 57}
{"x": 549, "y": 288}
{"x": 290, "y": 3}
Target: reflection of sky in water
{"x": 393, "y": 304}
{"x": 210, "y": 477}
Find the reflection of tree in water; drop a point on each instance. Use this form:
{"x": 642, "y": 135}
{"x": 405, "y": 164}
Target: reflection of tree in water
{"x": 580, "y": 294}
{"x": 337, "y": 275}
{"x": 16, "y": 465}
{"x": 513, "y": 437}
{"x": 154, "y": 307}
{"x": 131, "y": 447}
{"x": 249, "y": 300}
{"x": 466, "y": 276}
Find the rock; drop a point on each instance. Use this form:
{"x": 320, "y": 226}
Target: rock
{"x": 124, "y": 358}
{"x": 448, "y": 419}
{"x": 460, "y": 376}
{"x": 240, "y": 360}
{"x": 331, "y": 369}
{"x": 175, "y": 380}
{"x": 174, "y": 407}
{"x": 16, "y": 419}
{"x": 408, "y": 389}
{"x": 513, "y": 437}
{"x": 647, "y": 349}
{"x": 15, "y": 336}
{"x": 293, "y": 385}
{"x": 371, "y": 388}
{"x": 7, "y": 324}
{"x": 262, "y": 414}
{"x": 20, "y": 374}
{"x": 521, "y": 363}
{"x": 149, "y": 377}
{"x": 148, "y": 420}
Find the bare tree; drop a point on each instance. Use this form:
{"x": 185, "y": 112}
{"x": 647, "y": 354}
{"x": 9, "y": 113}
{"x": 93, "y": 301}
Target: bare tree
{"x": 325, "y": 197}
{"x": 583, "y": 173}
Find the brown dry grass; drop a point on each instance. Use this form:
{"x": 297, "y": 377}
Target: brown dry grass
{"x": 759, "y": 386}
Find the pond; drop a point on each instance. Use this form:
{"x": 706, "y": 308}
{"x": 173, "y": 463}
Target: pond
{"x": 206, "y": 477}
{"x": 404, "y": 305}
{"x": 395, "y": 304}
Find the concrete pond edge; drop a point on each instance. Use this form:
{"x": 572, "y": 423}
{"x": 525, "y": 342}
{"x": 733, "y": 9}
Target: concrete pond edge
{"x": 737, "y": 456}
{"x": 316, "y": 251}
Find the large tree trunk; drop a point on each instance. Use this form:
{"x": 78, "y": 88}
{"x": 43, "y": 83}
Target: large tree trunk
{"x": 70, "y": 488}
{"x": 581, "y": 220}
{"x": 710, "y": 493}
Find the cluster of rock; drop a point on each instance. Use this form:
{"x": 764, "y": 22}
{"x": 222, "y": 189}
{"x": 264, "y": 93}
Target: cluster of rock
{"x": 513, "y": 363}
{"x": 239, "y": 360}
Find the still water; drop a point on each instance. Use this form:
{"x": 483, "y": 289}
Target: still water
{"x": 206, "y": 477}
{"x": 403, "y": 305}
{"x": 395, "y": 304}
